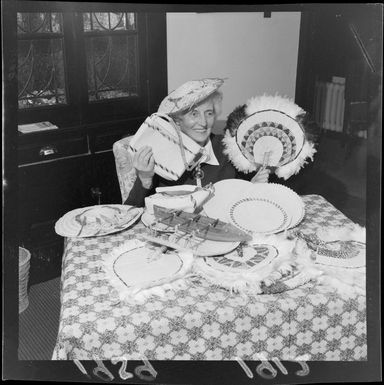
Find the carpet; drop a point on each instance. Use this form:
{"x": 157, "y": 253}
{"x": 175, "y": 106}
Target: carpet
{"x": 39, "y": 323}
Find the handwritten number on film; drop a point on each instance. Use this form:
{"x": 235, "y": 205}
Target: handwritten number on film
{"x": 102, "y": 372}
{"x": 264, "y": 369}
{"x": 267, "y": 371}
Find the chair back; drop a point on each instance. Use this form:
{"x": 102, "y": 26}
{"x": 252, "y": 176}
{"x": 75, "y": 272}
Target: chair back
{"x": 126, "y": 173}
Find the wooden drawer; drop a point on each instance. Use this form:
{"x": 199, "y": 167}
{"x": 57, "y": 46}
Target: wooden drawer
{"x": 49, "y": 148}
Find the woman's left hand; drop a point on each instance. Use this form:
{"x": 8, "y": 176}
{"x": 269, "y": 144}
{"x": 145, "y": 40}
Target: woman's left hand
{"x": 261, "y": 176}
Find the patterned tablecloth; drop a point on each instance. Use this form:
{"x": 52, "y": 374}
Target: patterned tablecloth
{"x": 204, "y": 322}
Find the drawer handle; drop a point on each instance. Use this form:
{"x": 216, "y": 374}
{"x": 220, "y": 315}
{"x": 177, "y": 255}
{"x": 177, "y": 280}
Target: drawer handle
{"x": 48, "y": 150}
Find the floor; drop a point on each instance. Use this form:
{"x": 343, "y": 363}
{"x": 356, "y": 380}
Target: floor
{"x": 39, "y": 322}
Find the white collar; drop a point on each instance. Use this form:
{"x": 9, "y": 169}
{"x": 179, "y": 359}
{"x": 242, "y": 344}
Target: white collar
{"x": 212, "y": 160}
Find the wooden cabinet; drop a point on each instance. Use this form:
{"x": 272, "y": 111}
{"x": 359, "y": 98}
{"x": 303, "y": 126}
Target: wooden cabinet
{"x": 50, "y": 173}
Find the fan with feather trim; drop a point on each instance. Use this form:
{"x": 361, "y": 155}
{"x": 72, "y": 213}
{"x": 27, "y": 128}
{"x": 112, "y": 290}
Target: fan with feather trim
{"x": 266, "y": 132}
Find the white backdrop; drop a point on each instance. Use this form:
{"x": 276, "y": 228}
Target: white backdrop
{"x": 256, "y": 54}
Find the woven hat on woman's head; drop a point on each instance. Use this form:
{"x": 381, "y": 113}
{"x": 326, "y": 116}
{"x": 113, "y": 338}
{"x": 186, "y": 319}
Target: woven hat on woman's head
{"x": 188, "y": 95}
{"x": 267, "y": 132}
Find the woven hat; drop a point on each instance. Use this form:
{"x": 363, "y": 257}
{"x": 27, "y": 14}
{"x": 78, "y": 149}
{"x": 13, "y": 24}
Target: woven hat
{"x": 266, "y": 132}
{"x": 189, "y": 94}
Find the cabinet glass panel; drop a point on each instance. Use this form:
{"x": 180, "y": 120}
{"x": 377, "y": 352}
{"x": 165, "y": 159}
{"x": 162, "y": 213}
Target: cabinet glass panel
{"x": 108, "y": 21}
{"x": 111, "y": 43}
{"x": 39, "y": 22}
{"x": 41, "y": 75}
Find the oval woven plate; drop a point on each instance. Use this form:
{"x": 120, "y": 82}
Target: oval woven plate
{"x": 225, "y": 191}
{"x": 285, "y": 197}
{"x": 229, "y": 191}
{"x": 97, "y": 220}
{"x": 258, "y": 215}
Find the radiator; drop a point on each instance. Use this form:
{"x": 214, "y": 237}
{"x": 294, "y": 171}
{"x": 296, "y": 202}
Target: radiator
{"x": 329, "y": 104}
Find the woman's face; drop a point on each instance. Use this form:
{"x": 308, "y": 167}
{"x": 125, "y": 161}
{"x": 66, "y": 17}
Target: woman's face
{"x": 198, "y": 122}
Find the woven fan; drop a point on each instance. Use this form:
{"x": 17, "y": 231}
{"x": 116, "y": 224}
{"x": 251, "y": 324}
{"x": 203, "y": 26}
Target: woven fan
{"x": 266, "y": 132}
{"x": 173, "y": 151}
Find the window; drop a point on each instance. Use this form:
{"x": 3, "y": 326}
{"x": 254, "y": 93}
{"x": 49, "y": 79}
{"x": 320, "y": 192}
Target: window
{"x": 85, "y": 63}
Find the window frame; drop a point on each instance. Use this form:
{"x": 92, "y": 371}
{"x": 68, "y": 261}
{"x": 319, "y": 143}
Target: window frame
{"x": 79, "y": 110}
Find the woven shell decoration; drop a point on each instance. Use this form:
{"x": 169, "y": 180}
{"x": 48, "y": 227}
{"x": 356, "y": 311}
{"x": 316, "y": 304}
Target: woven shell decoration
{"x": 266, "y": 132}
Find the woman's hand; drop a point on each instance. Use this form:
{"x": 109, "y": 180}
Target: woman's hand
{"x": 261, "y": 176}
{"x": 144, "y": 163}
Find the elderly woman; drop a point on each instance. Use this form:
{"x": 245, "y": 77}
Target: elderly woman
{"x": 194, "y": 107}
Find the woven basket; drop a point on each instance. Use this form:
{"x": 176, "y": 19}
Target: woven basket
{"x": 24, "y": 263}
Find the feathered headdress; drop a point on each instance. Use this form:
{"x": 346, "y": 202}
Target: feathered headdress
{"x": 267, "y": 132}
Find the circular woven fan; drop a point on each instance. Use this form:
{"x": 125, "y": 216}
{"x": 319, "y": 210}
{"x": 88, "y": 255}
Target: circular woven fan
{"x": 271, "y": 133}
{"x": 264, "y": 138}
{"x": 267, "y": 131}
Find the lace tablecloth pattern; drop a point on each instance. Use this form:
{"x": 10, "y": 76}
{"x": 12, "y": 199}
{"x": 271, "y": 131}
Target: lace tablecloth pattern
{"x": 204, "y": 322}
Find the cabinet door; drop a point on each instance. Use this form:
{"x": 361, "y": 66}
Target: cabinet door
{"x": 46, "y": 192}
{"x": 49, "y": 190}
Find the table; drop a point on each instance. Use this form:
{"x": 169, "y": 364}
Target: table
{"x": 204, "y": 322}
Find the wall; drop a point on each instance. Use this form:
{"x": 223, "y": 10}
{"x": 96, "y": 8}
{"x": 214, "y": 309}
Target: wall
{"x": 256, "y": 54}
